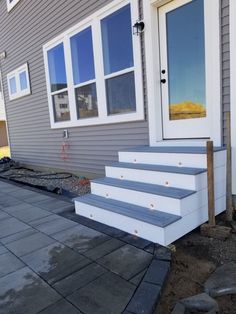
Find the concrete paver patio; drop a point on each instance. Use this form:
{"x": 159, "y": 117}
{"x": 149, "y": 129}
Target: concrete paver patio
{"x": 51, "y": 264}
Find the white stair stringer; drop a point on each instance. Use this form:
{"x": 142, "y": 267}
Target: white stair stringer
{"x": 156, "y": 193}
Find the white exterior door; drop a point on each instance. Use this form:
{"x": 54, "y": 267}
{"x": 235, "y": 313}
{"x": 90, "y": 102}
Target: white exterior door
{"x": 183, "y": 49}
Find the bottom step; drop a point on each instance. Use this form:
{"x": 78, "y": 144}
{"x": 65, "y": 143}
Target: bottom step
{"x": 155, "y": 226}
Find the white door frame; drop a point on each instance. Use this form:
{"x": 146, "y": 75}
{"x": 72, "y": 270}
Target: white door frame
{"x": 213, "y": 77}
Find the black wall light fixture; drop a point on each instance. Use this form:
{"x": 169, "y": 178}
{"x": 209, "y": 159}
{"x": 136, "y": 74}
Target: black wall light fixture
{"x": 138, "y": 27}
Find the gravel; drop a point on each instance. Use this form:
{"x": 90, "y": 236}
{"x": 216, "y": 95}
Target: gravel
{"x": 52, "y": 180}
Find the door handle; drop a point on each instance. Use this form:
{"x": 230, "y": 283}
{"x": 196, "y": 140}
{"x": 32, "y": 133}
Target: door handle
{"x": 163, "y": 81}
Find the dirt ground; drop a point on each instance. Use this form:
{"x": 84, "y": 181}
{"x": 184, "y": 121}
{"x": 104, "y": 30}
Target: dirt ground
{"x": 195, "y": 258}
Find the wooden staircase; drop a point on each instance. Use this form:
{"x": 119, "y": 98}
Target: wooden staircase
{"x": 156, "y": 193}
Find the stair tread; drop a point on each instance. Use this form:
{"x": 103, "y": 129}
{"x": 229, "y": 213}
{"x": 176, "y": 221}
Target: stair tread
{"x": 154, "y": 217}
{"x": 173, "y": 149}
{"x": 160, "y": 168}
{"x": 146, "y": 187}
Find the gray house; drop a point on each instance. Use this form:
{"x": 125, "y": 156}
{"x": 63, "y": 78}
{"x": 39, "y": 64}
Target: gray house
{"x": 3, "y": 128}
{"x": 146, "y": 79}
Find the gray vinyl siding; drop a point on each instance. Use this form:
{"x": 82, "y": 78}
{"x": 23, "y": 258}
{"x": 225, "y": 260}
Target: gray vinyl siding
{"x": 24, "y": 31}
{"x": 225, "y": 62}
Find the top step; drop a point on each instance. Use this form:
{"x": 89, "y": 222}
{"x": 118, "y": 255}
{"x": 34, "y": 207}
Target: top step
{"x": 177, "y": 156}
{"x": 173, "y": 149}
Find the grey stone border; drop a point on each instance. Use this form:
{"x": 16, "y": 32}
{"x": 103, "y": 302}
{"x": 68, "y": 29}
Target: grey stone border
{"x": 148, "y": 293}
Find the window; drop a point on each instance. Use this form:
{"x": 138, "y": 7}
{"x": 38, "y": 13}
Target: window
{"x": 58, "y": 83}
{"x": 18, "y": 82}
{"x": 84, "y": 74}
{"x": 118, "y": 56}
{"x": 11, "y": 4}
{"x": 61, "y": 107}
{"x": 93, "y": 70}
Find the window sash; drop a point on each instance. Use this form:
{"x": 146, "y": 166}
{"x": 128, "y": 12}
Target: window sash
{"x": 56, "y": 74}
{"x": 12, "y": 78}
{"x": 16, "y": 74}
{"x": 94, "y": 21}
{"x": 77, "y": 68}
{"x": 111, "y": 43}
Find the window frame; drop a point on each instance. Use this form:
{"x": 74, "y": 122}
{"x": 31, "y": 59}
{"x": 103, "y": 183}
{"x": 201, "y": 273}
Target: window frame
{"x": 94, "y": 21}
{"x": 10, "y": 5}
{"x": 16, "y": 74}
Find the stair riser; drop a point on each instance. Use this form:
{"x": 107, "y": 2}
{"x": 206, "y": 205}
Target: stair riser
{"x": 163, "y": 236}
{"x": 127, "y": 224}
{"x": 170, "y": 205}
{"x": 172, "y": 159}
{"x": 154, "y": 177}
{"x": 191, "y": 221}
{"x": 191, "y": 182}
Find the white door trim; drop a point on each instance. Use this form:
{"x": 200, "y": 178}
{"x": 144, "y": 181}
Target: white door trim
{"x": 232, "y": 23}
{"x": 213, "y": 76}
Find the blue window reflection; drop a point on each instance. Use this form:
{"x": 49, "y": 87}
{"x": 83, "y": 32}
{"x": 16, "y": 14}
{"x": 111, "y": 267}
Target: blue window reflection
{"x": 82, "y": 56}
{"x": 23, "y": 81}
{"x": 186, "y": 61}
{"x": 57, "y": 70}
{"x": 12, "y": 82}
{"x": 117, "y": 41}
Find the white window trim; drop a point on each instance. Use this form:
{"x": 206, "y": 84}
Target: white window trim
{"x": 16, "y": 74}
{"x": 153, "y": 70}
{"x": 10, "y": 5}
{"x": 94, "y": 21}
{"x": 232, "y": 23}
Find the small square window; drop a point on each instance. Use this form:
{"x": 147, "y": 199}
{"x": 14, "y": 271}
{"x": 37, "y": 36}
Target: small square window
{"x": 18, "y": 82}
